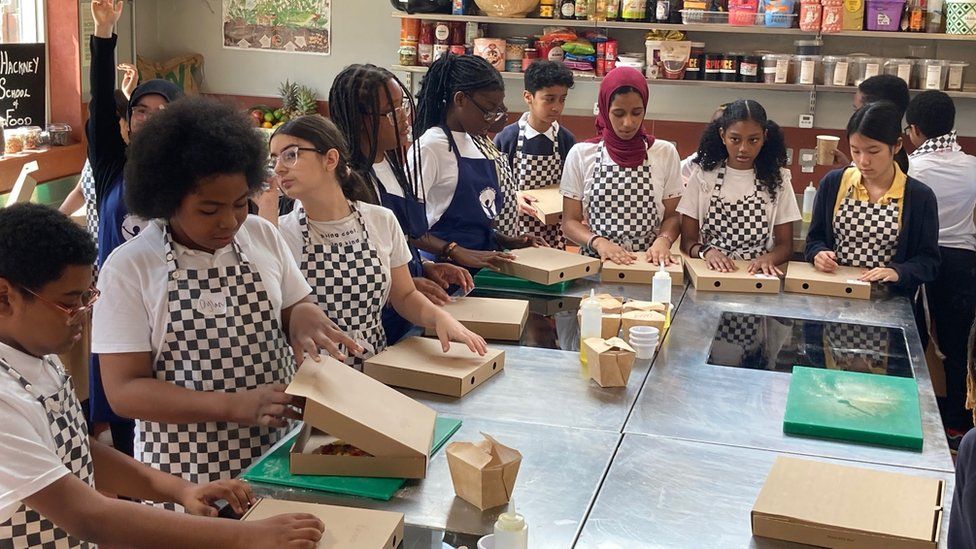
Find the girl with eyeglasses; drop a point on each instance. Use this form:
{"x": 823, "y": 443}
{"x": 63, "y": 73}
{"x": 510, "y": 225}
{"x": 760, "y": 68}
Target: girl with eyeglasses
{"x": 352, "y": 252}
{"x": 471, "y": 200}
{"x": 373, "y": 110}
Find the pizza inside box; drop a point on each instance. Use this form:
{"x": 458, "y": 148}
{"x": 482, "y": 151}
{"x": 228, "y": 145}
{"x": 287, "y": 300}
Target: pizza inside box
{"x": 548, "y": 204}
{"x": 548, "y": 266}
{"x": 344, "y": 526}
{"x": 707, "y": 280}
{"x": 420, "y": 363}
{"x": 642, "y": 271}
{"x": 500, "y": 319}
{"x": 803, "y": 278}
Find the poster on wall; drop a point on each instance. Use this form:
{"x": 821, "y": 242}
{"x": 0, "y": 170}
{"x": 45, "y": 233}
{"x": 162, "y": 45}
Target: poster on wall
{"x": 22, "y": 85}
{"x": 297, "y": 26}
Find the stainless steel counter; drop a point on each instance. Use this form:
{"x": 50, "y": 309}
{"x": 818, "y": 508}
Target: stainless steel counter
{"x": 686, "y": 398}
{"x": 663, "y": 492}
{"x": 560, "y": 473}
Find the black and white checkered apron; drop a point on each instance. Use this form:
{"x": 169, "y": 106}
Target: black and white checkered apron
{"x": 621, "y": 205}
{"x": 741, "y": 330}
{"x": 235, "y": 346}
{"x": 536, "y": 171}
{"x": 507, "y": 221}
{"x": 849, "y": 343}
{"x": 348, "y": 282}
{"x": 87, "y": 181}
{"x": 866, "y": 233}
{"x": 739, "y": 229}
{"x": 27, "y": 528}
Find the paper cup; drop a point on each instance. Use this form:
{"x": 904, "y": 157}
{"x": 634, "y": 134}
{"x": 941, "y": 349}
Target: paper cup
{"x": 826, "y": 145}
{"x": 643, "y": 352}
{"x": 487, "y": 542}
{"x": 643, "y": 331}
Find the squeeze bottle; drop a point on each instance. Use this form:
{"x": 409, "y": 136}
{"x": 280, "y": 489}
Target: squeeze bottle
{"x": 809, "y": 194}
{"x": 511, "y": 531}
{"x": 661, "y": 286}
{"x": 591, "y": 322}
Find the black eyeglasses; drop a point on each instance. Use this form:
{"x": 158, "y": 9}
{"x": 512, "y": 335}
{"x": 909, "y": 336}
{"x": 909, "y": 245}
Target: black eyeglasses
{"x": 490, "y": 116}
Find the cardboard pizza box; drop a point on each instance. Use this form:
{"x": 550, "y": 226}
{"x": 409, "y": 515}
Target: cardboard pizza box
{"x": 344, "y": 526}
{"x": 501, "y": 319}
{"x": 549, "y": 205}
{"x": 804, "y": 278}
{"x": 707, "y": 280}
{"x": 549, "y": 266}
{"x": 641, "y": 272}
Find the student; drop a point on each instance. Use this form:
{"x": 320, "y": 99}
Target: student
{"x": 625, "y": 183}
{"x": 536, "y": 145}
{"x": 938, "y": 161}
{"x": 372, "y": 109}
{"x": 460, "y": 98}
{"x": 353, "y": 253}
{"x": 883, "y": 87}
{"x": 50, "y": 495}
{"x": 196, "y": 315}
{"x": 962, "y": 518}
{"x": 688, "y": 163}
{"x": 872, "y": 216}
{"x": 739, "y": 203}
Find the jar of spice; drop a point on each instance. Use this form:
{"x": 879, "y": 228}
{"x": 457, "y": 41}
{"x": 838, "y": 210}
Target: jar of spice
{"x": 776, "y": 68}
{"x": 531, "y": 56}
{"x": 713, "y": 66}
{"x": 407, "y": 53}
{"x": 515, "y": 52}
{"x": 806, "y": 69}
{"x": 13, "y": 141}
{"x": 750, "y": 68}
{"x": 32, "y": 138}
{"x": 696, "y": 62}
{"x": 442, "y": 40}
{"x": 729, "y": 68}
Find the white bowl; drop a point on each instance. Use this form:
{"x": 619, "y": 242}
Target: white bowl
{"x": 641, "y": 331}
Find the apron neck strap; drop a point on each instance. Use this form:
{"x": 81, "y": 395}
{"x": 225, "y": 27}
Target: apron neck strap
{"x": 303, "y": 222}
{"x": 171, "y": 252}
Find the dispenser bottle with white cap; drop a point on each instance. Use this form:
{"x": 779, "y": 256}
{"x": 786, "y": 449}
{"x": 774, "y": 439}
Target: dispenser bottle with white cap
{"x": 511, "y": 531}
{"x": 661, "y": 286}
{"x": 591, "y": 322}
{"x": 809, "y": 194}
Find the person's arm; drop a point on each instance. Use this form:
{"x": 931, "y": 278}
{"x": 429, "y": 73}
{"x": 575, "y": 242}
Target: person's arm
{"x": 922, "y": 264}
{"x": 417, "y": 309}
{"x": 73, "y": 201}
{"x": 670, "y": 229}
{"x": 84, "y": 513}
{"x": 105, "y": 144}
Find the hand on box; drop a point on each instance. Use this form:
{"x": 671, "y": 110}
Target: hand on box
{"x": 825, "y": 261}
{"x": 310, "y": 330}
{"x": 523, "y": 241}
{"x": 448, "y": 329}
{"x": 880, "y": 274}
{"x": 764, "y": 265}
{"x": 477, "y": 259}
{"x": 266, "y": 406}
{"x": 446, "y": 275}
{"x": 525, "y": 204}
{"x": 660, "y": 252}
{"x": 614, "y": 252}
{"x": 432, "y": 291}
{"x": 718, "y": 261}
{"x": 294, "y": 531}
{"x": 198, "y": 499}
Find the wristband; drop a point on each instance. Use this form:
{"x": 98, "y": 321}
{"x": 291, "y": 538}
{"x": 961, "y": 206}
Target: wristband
{"x": 446, "y": 254}
{"x": 703, "y": 250}
{"x": 666, "y": 237}
{"x": 589, "y": 243}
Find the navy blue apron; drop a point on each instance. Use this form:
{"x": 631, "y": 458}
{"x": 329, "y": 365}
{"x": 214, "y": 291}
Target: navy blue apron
{"x": 477, "y": 201}
{"x": 412, "y": 217}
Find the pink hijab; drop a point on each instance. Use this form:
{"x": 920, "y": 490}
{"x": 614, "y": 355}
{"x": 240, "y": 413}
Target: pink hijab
{"x": 628, "y": 153}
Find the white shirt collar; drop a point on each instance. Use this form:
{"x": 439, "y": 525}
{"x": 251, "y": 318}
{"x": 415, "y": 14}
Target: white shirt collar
{"x": 181, "y": 250}
{"x": 531, "y": 132}
{"x": 25, "y": 364}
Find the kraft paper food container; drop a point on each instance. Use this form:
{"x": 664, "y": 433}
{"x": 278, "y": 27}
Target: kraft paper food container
{"x": 635, "y": 305}
{"x": 344, "y": 526}
{"x": 500, "y": 319}
{"x": 804, "y": 278}
{"x": 548, "y": 266}
{"x": 483, "y": 472}
{"x": 642, "y": 318}
{"x": 641, "y": 271}
{"x": 707, "y": 280}
{"x": 548, "y": 204}
{"x": 419, "y": 363}
{"x": 610, "y": 361}
{"x": 340, "y": 406}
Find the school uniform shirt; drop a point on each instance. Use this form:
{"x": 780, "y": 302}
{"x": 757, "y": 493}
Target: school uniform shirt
{"x": 952, "y": 177}
{"x": 536, "y": 143}
{"x": 439, "y": 168}
{"x": 132, "y": 314}
{"x": 384, "y": 231}
{"x": 688, "y": 166}
{"x": 738, "y": 184}
{"x": 29, "y": 459}
{"x": 851, "y": 184}
{"x": 662, "y": 156}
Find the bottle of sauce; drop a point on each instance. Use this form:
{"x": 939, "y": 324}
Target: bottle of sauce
{"x": 582, "y": 11}
{"x": 567, "y": 9}
{"x": 442, "y": 39}
{"x": 809, "y": 195}
{"x": 511, "y": 531}
{"x": 425, "y": 49}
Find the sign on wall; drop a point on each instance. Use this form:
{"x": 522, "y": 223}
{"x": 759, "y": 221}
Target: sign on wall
{"x": 23, "y": 96}
{"x": 297, "y": 26}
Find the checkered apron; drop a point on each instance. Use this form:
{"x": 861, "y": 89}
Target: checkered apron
{"x": 866, "y": 233}
{"x": 848, "y": 343}
{"x": 348, "y": 283}
{"x": 621, "y": 206}
{"x": 507, "y": 221}
{"x": 209, "y": 348}
{"x": 27, "y": 528}
{"x": 740, "y": 330}
{"x": 88, "y": 192}
{"x": 536, "y": 171}
{"x": 739, "y": 229}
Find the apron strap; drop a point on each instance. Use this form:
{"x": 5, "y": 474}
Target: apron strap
{"x": 12, "y": 372}
{"x": 171, "y": 253}
{"x": 303, "y": 223}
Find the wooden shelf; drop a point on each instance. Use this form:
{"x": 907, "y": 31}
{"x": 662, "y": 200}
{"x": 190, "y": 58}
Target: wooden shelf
{"x": 53, "y": 163}
{"x": 715, "y": 28}
{"x": 965, "y": 94}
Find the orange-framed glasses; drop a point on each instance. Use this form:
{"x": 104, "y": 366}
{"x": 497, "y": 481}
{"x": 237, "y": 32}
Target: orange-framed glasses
{"x": 88, "y": 300}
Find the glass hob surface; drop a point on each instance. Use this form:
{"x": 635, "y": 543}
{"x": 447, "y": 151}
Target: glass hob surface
{"x": 763, "y": 342}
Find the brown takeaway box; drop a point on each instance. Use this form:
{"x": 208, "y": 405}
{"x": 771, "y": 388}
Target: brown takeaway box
{"x": 483, "y": 472}
{"x": 642, "y": 272}
{"x": 707, "y": 280}
{"x": 549, "y": 266}
{"x": 829, "y": 505}
{"x": 502, "y": 319}
{"x": 419, "y": 363}
{"x": 610, "y": 360}
{"x": 549, "y": 204}
{"x": 345, "y": 527}
{"x": 341, "y": 401}
{"x": 803, "y": 278}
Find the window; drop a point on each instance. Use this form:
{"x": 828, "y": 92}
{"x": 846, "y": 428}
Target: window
{"x": 21, "y": 21}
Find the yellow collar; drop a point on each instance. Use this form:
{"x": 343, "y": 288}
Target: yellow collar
{"x": 852, "y": 180}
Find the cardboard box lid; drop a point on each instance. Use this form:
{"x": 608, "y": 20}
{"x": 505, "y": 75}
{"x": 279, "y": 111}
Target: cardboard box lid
{"x": 422, "y": 354}
{"x": 852, "y": 498}
{"x": 551, "y": 259}
{"x": 344, "y": 526}
{"x": 488, "y": 310}
{"x": 806, "y": 271}
{"x": 644, "y": 266}
{"x": 549, "y": 201}
{"x": 362, "y": 411}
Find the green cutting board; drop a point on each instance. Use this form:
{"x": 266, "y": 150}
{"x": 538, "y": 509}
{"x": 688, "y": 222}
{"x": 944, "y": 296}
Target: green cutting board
{"x": 488, "y": 279}
{"x": 854, "y": 406}
{"x": 273, "y": 468}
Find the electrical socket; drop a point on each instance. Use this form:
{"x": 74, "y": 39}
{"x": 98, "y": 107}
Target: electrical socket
{"x": 806, "y": 121}
{"x": 789, "y": 157}
{"x": 596, "y": 108}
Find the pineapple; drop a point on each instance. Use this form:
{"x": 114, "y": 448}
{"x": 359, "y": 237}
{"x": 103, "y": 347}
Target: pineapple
{"x": 289, "y": 97}
{"x": 305, "y": 101}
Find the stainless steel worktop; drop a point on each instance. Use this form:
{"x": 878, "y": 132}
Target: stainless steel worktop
{"x": 684, "y": 397}
{"x": 663, "y": 492}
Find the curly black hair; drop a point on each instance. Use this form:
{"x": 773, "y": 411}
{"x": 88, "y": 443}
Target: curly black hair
{"x": 192, "y": 139}
{"x": 447, "y": 76}
{"x": 38, "y": 242}
{"x": 932, "y": 112}
{"x": 772, "y": 157}
{"x": 543, "y": 74}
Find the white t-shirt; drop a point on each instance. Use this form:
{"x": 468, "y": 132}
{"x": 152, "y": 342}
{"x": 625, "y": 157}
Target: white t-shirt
{"x": 952, "y": 177}
{"x": 662, "y": 156}
{"x": 687, "y": 166}
{"x": 738, "y": 185}
{"x": 439, "y": 168}
{"x": 29, "y": 459}
{"x": 133, "y": 313}
{"x": 384, "y": 234}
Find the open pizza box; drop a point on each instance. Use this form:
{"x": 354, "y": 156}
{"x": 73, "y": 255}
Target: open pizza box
{"x": 707, "y": 280}
{"x": 500, "y": 319}
{"x": 829, "y": 505}
{"x": 420, "y": 363}
{"x": 359, "y": 437}
{"x": 548, "y": 204}
{"x": 641, "y": 271}
{"x": 344, "y": 526}
{"x": 804, "y": 278}
{"x": 548, "y": 265}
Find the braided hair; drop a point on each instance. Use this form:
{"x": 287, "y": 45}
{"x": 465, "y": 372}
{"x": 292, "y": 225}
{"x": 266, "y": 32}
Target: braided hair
{"x": 447, "y": 76}
{"x": 771, "y": 158}
{"x": 355, "y": 95}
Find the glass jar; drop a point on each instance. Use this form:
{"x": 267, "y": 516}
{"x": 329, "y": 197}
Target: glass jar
{"x": 902, "y": 68}
{"x": 777, "y": 68}
{"x": 956, "y": 69}
{"x": 836, "y": 70}
{"x": 865, "y": 67}
{"x": 806, "y": 69}
{"x": 13, "y": 141}
{"x": 933, "y": 74}
{"x": 32, "y": 138}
